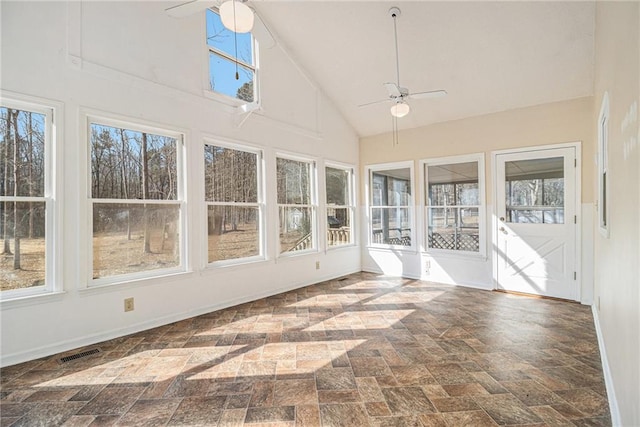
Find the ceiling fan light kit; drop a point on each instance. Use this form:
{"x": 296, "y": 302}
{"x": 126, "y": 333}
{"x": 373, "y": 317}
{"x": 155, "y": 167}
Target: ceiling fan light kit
{"x": 400, "y": 109}
{"x": 236, "y": 16}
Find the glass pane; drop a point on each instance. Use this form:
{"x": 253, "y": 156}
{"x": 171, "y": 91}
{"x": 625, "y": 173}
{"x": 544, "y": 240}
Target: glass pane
{"x": 22, "y": 143}
{"x": 338, "y": 226}
{"x": 453, "y": 184}
{"x": 222, "y": 78}
{"x": 294, "y": 182}
{"x": 337, "y": 186}
{"x": 454, "y": 229}
{"x": 222, "y": 39}
{"x": 391, "y": 226}
{"x": 22, "y": 256}
{"x": 131, "y": 238}
{"x": 127, "y": 164}
{"x": 535, "y": 191}
{"x": 233, "y": 232}
{"x": 230, "y": 175}
{"x": 391, "y": 187}
{"x": 295, "y": 229}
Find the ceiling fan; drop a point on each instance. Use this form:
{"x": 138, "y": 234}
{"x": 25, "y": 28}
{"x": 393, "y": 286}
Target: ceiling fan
{"x": 236, "y": 16}
{"x": 398, "y": 94}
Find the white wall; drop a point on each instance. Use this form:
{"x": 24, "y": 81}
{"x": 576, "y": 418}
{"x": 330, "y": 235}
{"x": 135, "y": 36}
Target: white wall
{"x": 131, "y": 60}
{"x": 617, "y": 279}
{"x": 547, "y": 124}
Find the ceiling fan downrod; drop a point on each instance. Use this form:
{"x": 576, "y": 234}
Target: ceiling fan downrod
{"x": 395, "y": 13}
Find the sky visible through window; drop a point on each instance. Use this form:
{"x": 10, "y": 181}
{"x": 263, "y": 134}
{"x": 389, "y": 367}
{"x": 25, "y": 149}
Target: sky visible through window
{"x": 221, "y": 70}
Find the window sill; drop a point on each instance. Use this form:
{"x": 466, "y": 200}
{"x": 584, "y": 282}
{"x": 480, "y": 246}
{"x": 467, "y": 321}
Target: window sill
{"x": 233, "y": 264}
{"x": 233, "y": 105}
{"x": 287, "y": 256}
{"x": 455, "y": 255}
{"x": 392, "y": 248}
{"x": 28, "y": 300}
{"x": 130, "y": 283}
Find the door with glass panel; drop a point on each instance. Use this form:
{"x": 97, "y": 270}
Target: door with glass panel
{"x": 535, "y": 228}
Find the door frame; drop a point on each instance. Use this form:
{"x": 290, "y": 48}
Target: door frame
{"x": 578, "y": 208}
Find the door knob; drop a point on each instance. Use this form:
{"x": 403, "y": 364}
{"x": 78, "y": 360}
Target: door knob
{"x": 503, "y": 230}
{"x": 502, "y": 218}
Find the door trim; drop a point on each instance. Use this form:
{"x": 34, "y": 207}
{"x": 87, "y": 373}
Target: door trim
{"x": 577, "y": 199}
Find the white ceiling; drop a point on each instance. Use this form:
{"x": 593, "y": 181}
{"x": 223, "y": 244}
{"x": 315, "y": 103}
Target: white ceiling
{"x": 489, "y": 56}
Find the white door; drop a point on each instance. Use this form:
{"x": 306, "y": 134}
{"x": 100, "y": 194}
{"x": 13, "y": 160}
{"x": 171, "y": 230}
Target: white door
{"x": 535, "y": 230}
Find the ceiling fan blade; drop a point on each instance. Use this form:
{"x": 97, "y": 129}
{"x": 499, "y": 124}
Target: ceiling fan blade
{"x": 189, "y": 8}
{"x": 429, "y": 94}
{"x": 393, "y": 89}
{"x": 380, "y": 101}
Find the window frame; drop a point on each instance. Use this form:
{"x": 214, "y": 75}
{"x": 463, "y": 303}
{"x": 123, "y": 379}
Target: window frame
{"x": 604, "y": 179}
{"x": 482, "y": 225}
{"x": 313, "y": 198}
{"x": 52, "y": 192}
{"x": 260, "y": 204}
{"x": 226, "y": 99}
{"x": 351, "y": 207}
{"x": 369, "y": 170}
{"x": 136, "y": 126}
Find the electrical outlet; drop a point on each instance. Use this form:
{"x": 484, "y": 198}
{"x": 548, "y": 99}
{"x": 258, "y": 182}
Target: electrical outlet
{"x": 317, "y": 265}
{"x": 427, "y": 265}
{"x": 128, "y": 304}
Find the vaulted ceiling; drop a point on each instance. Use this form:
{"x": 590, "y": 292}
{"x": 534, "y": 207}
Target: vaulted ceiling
{"x": 489, "y": 56}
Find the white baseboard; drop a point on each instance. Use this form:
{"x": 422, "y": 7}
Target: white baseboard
{"x": 49, "y": 350}
{"x": 608, "y": 379}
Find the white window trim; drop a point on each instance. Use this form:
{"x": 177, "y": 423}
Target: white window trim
{"x": 424, "y": 189}
{"x": 313, "y": 184}
{"x": 603, "y": 167}
{"x": 260, "y": 204}
{"x": 143, "y": 276}
{"x": 240, "y": 105}
{"x": 369, "y": 170}
{"x": 54, "y": 117}
{"x": 351, "y": 206}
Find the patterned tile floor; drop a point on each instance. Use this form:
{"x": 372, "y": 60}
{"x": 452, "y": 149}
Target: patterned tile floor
{"x": 361, "y": 351}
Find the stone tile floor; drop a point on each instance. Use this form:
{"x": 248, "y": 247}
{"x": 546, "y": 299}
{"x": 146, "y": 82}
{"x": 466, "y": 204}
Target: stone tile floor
{"x": 364, "y": 350}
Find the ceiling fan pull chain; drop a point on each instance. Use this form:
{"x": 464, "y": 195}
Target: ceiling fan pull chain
{"x": 235, "y": 38}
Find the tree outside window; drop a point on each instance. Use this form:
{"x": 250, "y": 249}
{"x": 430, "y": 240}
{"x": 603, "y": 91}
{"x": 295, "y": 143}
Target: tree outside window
{"x": 296, "y": 206}
{"x": 24, "y": 204}
{"x": 391, "y": 207}
{"x": 136, "y": 205}
{"x": 232, "y": 196}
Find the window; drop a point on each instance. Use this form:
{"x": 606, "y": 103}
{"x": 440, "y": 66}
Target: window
{"x": 390, "y": 209}
{"x": 603, "y": 167}
{"x": 232, "y": 60}
{"x": 296, "y": 204}
{"x": 340, "y": 205}
{"x": 535, "y": 191}
{"x": 136, "y": 199}
{"x": 454, "y": 204}
{"x": 26, "y": 199}
{"x": 234, "y": 208}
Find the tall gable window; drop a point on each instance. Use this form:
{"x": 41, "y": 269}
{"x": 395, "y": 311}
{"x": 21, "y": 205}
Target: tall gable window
{"x": 232, "y": 61}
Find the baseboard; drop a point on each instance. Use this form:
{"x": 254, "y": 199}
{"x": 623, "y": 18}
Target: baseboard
{"x": 417, "y": 277}
{"x": 49, "y": 350}
{"x": 608, "y": 379}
